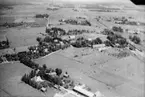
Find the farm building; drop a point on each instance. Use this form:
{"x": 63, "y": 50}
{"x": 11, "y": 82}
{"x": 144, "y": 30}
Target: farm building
{"x": 66, "y": 93}
{"x": 82, "y": 91}
{"x": 103, "y": 48}
{"x": 98, "y": 45}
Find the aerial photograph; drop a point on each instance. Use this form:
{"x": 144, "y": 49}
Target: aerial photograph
{"x": 72, "y": 48}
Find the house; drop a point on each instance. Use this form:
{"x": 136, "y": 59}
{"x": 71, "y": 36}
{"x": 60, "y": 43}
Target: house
{"x": 89, "y": 39}
{"x": 37, "y": 79}
{"x": 43, "y": 89}
{"x": 103, "y": 48}
{"x": 65, "y": 75}
{"x": 52, "y": 74}
{"x": 46, "y": 50}
{"x": 72, "y": 37}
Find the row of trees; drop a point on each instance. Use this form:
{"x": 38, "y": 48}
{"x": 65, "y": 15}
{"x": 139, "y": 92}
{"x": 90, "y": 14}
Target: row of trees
{"x": 55, "y": 32}
{"x": 77, "y": 32}
{"x": 41, "y": 16}
{"x": 11, "y": 24}
{"x": 82, "y": 42}
{"x": 76, "y": 22}
{"x": 26, "y": 59}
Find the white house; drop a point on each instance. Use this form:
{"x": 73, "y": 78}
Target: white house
{"x": 98, "y": 45}
{"x": 103, "y": 48}
{"x": 72, "y": 36}
{"x": 37, "y": 79}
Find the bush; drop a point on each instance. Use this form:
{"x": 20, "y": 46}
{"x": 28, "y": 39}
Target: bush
{"x": 58, "y": 71}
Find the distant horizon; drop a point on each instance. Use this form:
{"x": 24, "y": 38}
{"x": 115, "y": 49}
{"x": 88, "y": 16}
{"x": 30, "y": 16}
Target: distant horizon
{"x": 65, "y": 1}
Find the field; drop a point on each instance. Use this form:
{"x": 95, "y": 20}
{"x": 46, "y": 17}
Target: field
{"x": 113, "y": 76}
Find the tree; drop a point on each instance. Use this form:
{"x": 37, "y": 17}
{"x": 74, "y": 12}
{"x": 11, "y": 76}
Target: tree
{"x": 48, "y": 39}
{"x": 44, "y": 66}
{"x": 24, "y": 78}
{"x": 58, "y": 71}
{"x": 39, "y": 39}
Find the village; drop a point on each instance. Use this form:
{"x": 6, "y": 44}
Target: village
{"x": 73, "y": 51}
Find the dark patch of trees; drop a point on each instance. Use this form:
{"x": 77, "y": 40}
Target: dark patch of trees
{"x": 117, "y": 39}
{"x": 77, "y": 32}
{"x": 41, "y": 16}
{"x": 55, "y": 32}
{"x": 117, "y": 29}
{"x": 82, "y": 42}
{"x": 1, "y": 60}
{"x": 97, "y": 41}
{"x": 12, "y": 57}
{"x": 9, "y": 25}
{"x": 76, "y": 22}
{"x": 107, "y": 32}
{"x": 108, "y": 43}
{"x": 135, "y": 39}
{"x": 4, "y": 44}
{"x": 58, "y": 71}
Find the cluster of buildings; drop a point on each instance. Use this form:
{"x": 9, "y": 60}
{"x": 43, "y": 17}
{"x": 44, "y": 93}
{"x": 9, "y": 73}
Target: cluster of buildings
{"x": 78, "y": 91}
